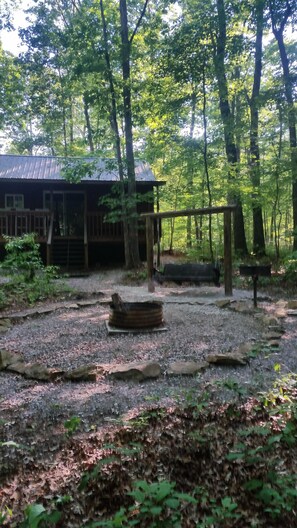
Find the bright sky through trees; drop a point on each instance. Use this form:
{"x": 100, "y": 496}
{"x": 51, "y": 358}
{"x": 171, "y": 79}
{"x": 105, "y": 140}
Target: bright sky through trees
{"x": 10, "y": 39}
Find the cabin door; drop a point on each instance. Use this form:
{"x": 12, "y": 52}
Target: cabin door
{"x": 69, "y": 212}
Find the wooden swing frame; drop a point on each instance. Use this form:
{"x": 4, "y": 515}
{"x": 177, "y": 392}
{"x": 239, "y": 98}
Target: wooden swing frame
{"x": 226, "y": 210}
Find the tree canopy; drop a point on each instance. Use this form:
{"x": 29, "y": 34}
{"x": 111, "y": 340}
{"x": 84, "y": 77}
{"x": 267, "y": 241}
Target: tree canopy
{"x": 205, "y": 91}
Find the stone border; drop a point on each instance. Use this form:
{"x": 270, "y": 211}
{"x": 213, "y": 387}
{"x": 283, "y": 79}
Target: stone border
{"x": 14, "y": 362}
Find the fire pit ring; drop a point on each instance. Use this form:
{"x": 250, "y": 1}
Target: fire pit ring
{"x": 147, "y": 314}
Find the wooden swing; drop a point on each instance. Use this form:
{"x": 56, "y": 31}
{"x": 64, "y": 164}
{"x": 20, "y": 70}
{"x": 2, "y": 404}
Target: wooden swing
{"x": 226, "y": 210}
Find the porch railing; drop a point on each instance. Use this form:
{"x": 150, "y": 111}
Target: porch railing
{"x": 19, "y": 222}
{"x": 100, "y": 230}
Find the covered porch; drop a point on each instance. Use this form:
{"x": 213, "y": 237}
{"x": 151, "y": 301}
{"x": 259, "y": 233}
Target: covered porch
{"x": 63, "y": 243}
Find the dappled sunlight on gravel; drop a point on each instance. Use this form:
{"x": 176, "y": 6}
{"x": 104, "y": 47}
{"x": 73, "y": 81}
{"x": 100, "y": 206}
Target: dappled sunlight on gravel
{"x": 77, "y": 335}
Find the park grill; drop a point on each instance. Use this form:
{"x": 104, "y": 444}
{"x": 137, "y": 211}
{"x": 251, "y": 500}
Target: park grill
{"x": 255, "y": 271}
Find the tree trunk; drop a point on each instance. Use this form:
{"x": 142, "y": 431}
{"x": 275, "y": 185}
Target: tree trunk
{"x": 190, "y": 168}
{"x": 279, "y": 35}
{"x": 71, "y": 125}
{"x": 205, "y": 160}
{"x": 117, "y": 141}
{"x": 240, "y": 245}
{"x": 64, "y": 129}
{"x": 88, "y": 124}
{"x": 131, "y": 208}
{"x": 258, "y": 230}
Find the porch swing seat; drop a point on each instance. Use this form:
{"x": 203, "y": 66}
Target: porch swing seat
{"x": 196, "y": 273}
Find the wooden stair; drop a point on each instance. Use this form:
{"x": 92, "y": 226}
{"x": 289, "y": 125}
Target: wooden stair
{"x": 68, "y": 253}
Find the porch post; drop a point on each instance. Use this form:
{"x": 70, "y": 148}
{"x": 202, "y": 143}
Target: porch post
{"x": 48, "y": 255}
{"x": 227, "y": 253}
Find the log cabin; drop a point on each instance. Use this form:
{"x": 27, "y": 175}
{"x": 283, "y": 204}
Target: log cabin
{"x": 67, "y": 217}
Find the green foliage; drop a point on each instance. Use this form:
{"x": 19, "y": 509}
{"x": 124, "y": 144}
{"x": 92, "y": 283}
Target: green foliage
{"x": 290, "y": 267}
{"x": 19, "y": 291}
{"x": 36, "y": 516}
{"x": 277, "y": 494}
{"x": 147, "y": 417}
{"x": 234, "y": 386}
{"x": 93, "y": 475}
{"x": 219, "y": 512}
{"x": 119, "y": 520}
{"x": 157, "y": 505}
{"x": 118, "y": 201}
{"x": 254, "y": 449}
{"x": 198, "y": 402}
{"x": 72, "y": 425}
{"x": 3, "y": 297}
{"x": 135, "y": 277}
{"x": 75, "y": 170}
{"x": 29, "y": 280}
{"x": 116, "y": 456}
{"x": 22, "y": 256}
{"x": 4, "y": 515}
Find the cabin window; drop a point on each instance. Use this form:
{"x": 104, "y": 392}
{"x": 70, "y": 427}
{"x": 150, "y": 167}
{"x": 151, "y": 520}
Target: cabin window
{"x": 14, "y": 201}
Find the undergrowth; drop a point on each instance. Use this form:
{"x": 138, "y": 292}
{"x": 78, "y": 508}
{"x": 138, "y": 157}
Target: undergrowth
{"x": 199, "y": 465}
{"x": 27, "y": 280}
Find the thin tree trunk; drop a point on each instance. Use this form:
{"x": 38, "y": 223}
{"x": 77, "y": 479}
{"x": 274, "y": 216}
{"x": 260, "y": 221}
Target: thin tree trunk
{"x": 71, "y": 126}
{"x": 288, "y": 84}
{"x": 258, "y": 230}
{"x": 64, "y": 123}
{"x": 205, "y": 160}
{"x": 275, "y": 207}
{"x": 88, "y": 124}
{"x": 117, "y": 140}
{"x": 228, "y": 125}
{"x": 131, "y": 208}
{"x": 190, "y": 179}
{"x": 64, "y": 129}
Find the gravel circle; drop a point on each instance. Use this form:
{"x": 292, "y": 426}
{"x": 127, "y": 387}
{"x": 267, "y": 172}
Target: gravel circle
{"x": 196, "y": 327}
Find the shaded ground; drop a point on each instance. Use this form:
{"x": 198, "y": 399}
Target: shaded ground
{"x": 33, "y": 414}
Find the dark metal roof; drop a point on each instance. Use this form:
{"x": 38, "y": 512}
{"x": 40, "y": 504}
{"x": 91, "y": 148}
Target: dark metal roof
{"x": 13, "y": 167}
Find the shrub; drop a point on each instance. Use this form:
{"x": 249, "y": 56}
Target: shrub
{"x": 22, "y": 256}
{"x": 29, "y": 280}
{"x": 290, "y": 266}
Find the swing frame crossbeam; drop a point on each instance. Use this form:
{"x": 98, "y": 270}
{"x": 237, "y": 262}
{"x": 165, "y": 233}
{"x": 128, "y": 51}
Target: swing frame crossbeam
{"x": 226, "y": 210}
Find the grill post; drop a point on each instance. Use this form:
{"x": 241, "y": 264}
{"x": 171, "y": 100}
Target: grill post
{"x": 255, "y": 281}
{"x": 254, "y": 271}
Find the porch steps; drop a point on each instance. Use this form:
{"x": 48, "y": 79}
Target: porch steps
{"x": 68, "y": 253}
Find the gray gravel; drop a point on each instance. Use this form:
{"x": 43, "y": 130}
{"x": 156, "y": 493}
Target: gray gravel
{"x": 196, "y": 327}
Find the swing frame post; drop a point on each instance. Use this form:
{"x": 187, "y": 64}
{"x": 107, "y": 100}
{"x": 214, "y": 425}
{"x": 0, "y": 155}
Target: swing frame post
{"x": 227, "y": 253}
{"x": 150, "y": 252}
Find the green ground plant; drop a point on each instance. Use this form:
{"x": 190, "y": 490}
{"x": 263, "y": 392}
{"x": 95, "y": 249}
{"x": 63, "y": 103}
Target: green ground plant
{"x": 22, "y": 256}
{"x": 156, "y": 505}
{"x": 29, "y": 281}
{"x": 36, "y": 516}
{"x": 278, "y": 493}
{"x": 220, "y": 512}
{"x": 72, "y": 425}
{"x": 217, "y": 464}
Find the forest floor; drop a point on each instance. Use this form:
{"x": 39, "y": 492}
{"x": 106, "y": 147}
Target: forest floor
{"x": 77, "y": 449}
